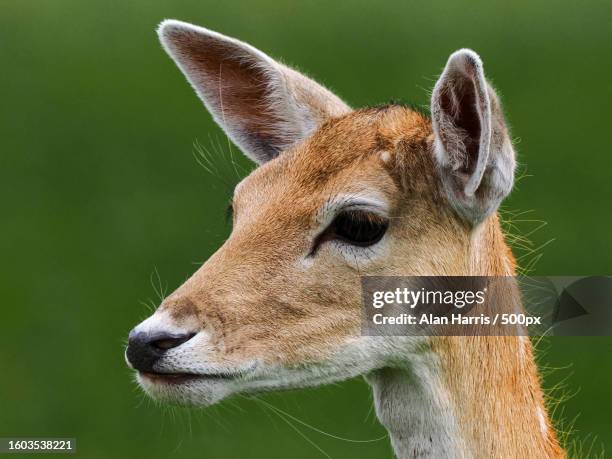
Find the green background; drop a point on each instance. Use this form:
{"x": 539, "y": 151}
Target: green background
{"x": 99, "y": 188}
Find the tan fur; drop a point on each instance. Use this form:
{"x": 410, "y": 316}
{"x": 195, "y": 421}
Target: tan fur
{"x": 257, "y": 302}
{"x": 279, "y": 304}
{"x": 494, "y": 380}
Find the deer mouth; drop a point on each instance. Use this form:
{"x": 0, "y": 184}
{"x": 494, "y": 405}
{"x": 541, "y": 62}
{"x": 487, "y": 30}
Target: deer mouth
{"x": 182, "y": 378}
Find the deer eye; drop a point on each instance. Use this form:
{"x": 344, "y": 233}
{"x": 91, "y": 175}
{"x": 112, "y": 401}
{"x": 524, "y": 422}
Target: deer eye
{"x": 358, "y": 228}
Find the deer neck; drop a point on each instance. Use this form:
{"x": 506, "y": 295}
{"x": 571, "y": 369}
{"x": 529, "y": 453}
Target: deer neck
{"x": 468, "y": 396}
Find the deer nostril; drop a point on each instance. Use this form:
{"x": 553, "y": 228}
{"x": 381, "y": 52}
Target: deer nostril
{"x": 163, "y": 343}
{"x": 144, "y": 349}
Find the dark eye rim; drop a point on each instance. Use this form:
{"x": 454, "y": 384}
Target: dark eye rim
{"x": 330, "y": 232}
{"x": 229, "y": 212}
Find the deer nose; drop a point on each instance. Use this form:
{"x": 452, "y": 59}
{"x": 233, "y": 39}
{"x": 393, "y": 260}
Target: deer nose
{"x": 144, "y": 349}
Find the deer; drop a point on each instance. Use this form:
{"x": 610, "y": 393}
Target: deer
{"x": 337, "y": 194}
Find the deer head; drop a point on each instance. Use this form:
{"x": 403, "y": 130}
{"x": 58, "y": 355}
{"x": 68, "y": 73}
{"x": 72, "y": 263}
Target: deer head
{"x": 338, "y": 194}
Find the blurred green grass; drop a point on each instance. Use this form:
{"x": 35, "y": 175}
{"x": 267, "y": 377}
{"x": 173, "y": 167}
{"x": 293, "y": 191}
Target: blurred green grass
{"x": 99, "y": 188}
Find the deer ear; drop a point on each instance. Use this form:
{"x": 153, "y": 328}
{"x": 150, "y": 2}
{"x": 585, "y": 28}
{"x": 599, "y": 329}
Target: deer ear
{"x": 472, "y": 145}
{"x": 264, "y": 106}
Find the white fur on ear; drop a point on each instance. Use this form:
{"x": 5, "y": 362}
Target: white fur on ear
{"x": 472, "y": 145}
{"x": 264, "y": 106}
{"x": 464, "y": 66}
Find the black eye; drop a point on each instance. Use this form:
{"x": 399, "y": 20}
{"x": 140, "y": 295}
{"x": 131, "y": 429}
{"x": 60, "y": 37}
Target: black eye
{"x": 229, "y": 213}
{"x": 358, "y": 228}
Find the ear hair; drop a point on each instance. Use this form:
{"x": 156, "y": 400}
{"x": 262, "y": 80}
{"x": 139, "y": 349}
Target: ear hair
{"x": 264, "y": 106}
{"x": 472, "y": 146}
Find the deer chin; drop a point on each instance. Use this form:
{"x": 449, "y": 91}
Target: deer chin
{"x": 181, "y": 387}
{"x": 208, "y": 389}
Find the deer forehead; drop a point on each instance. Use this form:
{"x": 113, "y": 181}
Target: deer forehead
{"x": 366, "y": 154}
